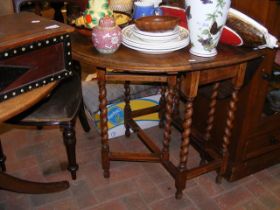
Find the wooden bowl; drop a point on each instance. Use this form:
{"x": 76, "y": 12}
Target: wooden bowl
{"x": 157, "y": 23}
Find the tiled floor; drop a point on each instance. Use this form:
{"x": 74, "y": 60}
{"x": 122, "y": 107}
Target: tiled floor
{"x": 39, "y": 155}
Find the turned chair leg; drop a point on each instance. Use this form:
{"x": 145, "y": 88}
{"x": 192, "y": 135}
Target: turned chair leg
{"x": 83, "y": 118}
{"x": 127, "y": 108}
{"x": 69, "y": 138}
{"x": 2, "y": 158}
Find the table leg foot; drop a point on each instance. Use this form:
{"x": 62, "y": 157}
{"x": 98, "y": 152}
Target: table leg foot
{"x": 106, "y": 174}
{"x": 219, "y": 179}
{"x": 179, "y": 194}
{"x": 105, "y": 162}
{"x": 180, "y": 183}
{"x": 127, "y": 133}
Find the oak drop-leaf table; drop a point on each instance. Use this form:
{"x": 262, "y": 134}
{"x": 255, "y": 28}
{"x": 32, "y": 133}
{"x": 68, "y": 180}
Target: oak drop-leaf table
{"x": 182, "y": 73}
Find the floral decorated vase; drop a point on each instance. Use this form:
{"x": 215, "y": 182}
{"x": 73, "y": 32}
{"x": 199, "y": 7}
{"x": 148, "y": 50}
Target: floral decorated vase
{"x": 206, "y": 19}
{"x": 107, "y": 36}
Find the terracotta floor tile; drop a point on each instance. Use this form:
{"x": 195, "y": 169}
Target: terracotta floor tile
{"x": 82, "y": 194}
{"x": 131, "y": 185}
{"x": 128, "y": 171}
{"x": 172, "y": 203}
{"x": 34, "y": 149}
{"x": 226, "y": 185}
{"x": 144, "y": 181}
{"x": 167, "y": 188}
{"x": 276, "y": 192}
{"x": 251, "y": 205}
{"x": 18, "y": 203}
{"x": 22, "y": 164}
{"x": 43, "y": 199}
{"x": 134, "y": 201}
{"x": 201, "y": 199}
{"x": 267, "y": 179}
{"x": 151, "y": 194}
{"x": 113, "y": 191}
{"x": 270, "y": 201}
{"x": 209, "y": 185}
{"x": 275, "y": 169}
{"x": 256, "y": 188}
{"x": 64, "y": 204}
{"x": 115, "y": 204}
{"x": 233, "y": 198}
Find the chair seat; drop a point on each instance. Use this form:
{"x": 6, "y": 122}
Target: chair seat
{"x": 61, "y": 106}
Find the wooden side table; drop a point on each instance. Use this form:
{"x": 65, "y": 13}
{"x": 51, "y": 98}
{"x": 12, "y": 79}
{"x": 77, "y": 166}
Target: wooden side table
{"x": 130, "y": 66}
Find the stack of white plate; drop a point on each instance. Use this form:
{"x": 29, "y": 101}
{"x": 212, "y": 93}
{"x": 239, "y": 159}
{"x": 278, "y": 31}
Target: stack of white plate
{"x": 155, "y": 42}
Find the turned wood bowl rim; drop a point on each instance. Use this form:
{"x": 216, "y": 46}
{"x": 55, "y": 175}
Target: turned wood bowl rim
{"x": 157, "y": 23}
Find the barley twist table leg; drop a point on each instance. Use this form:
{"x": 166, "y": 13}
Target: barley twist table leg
{"x": 237, "y": 82}
{"x": 176, "y": 107}
{"x": 227, "y": 135}
{"x": 210, "y": 119}
{"x": 103, "y": 123}
{"x": 180, "y": 181}
{"x": 168, "y": 117}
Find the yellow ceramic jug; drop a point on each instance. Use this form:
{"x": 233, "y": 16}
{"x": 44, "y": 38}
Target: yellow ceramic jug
{"x": 96, "y": 10}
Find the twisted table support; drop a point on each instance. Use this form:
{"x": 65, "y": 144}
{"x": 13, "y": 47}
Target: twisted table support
{"x": 103, "y": 123}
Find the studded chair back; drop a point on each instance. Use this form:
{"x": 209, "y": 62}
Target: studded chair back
{"x": 61, "y": 108}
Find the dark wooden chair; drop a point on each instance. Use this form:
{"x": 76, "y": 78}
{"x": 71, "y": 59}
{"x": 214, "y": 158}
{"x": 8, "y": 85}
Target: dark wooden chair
{"x": 61, "y": 109}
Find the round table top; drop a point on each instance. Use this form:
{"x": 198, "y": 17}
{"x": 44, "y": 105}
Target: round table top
{"x": 132, "y": 60}
{"x": 20, "y": 103}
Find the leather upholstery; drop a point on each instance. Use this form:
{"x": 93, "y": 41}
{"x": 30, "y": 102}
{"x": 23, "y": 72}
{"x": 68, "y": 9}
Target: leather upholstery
{"x": 61, "y": 106}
